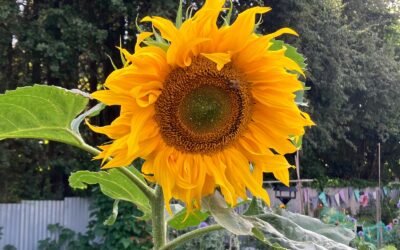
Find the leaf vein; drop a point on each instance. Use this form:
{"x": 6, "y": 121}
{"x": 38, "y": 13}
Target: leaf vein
{"x": 41, "y": 98}
{"x": 26, "y": 110}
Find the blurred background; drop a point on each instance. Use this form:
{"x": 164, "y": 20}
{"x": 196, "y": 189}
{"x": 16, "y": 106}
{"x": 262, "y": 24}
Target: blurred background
{"x": 353, "y": 60}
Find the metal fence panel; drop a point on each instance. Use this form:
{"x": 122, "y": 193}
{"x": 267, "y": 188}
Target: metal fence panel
{"x": 25, "y": 223}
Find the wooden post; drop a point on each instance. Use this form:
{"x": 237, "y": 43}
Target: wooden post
{"x": 378, "y": 198}
{"x": 299, "y": 185}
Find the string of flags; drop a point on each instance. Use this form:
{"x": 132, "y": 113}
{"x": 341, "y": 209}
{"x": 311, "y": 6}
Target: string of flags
{"x": 344, "y": 197}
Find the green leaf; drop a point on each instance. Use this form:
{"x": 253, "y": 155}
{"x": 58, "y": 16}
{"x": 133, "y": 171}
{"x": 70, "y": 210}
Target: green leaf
{"x": 115, "y": 185}
{"x": 259, "y": 235}
{"x": 139, "y": 29}
{"x": 300, "y": 95}
{"x": 291, "y": 52}
{"x": 41, "y": 112}
{"x": 297, "y": 141}
{"x": 235, "y": 223}
{"x": 277, "y": 232}
{"x": 284, "y": 232}
{"x": 126, "y": 242}
{"x": 112, "y": 62}
{"x": 162, "y": 45}
{"x": 227, "y": 19}
{"x": 178, "y": 20}
{"x": 181, "y": 220}
{"x": 120, "y": 52}
{"x": 277, "y": 246}
{"x": 226, "y": 216}
{"x": 158, "y": 37}
{"x": 113, "y": 216}
{"x": 254, "y": 208}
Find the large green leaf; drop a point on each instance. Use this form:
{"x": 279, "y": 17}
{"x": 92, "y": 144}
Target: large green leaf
{"x": 182, "y": 220}
{"x": 337, "y": 233}
{"x": 235, "y": 223}
{"x": 115, "y": 185}
{"x": 254, "y": 208}
{"x": 42, "y": 112}
{"x": 226, "y": 216}
{"x": 287, "y": 233}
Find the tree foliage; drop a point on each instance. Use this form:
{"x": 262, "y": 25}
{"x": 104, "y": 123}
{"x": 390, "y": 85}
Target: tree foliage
{"x": 69, "y": 44}
{"x": 353, "y": 71}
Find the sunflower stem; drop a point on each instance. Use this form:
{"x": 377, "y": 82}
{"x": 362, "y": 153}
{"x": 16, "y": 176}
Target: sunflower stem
{"x": 158, "y": 220}
{"x": 148, "y": 191}
{"x": 189, "y": 236}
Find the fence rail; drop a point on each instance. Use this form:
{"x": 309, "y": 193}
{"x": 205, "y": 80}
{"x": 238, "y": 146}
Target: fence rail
{"x": 24, "y": 224}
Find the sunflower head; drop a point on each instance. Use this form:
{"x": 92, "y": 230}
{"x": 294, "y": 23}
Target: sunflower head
{"x": 207, "y": 106}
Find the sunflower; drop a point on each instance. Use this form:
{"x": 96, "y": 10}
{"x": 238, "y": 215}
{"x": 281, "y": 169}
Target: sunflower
{"x": 206, "y": 106}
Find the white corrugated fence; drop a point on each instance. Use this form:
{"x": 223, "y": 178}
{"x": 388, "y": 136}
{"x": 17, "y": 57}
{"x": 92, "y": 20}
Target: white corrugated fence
{"x": 24, "y": 224}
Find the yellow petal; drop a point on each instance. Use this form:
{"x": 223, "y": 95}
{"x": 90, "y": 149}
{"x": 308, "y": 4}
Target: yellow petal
{"x": 165, "y": 26}
{"x": 215, "y": 5}
{"x": 242, "y": 168}
{"x": 139, "y": 120}
{"x": 308, "y": 119}
{"x": 272, "y": 139}
{"x": 217, "y": 171}
{"x": 144, "y": 96}
{"x": 245, "y": 21}
{"x": 282, "y": 176}
{"x": 140, "y": 38}
{"x": 279, "y": 32}
{"x": 235, "y": 37}
{"x": 117, "y": 129}
{"x": 219, "y": 58}
{"x": 118, "y": 161}
{"x": 273, "y": 163}
{"x": 109, "y": 97}
{"x": 180, "y": 54}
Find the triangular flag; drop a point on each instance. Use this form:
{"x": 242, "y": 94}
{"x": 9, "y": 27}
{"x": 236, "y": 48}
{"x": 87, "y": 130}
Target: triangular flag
{"x": 357, "y": 194}
{"x": 322, "y": 197}
{"x": 337, "y": 199}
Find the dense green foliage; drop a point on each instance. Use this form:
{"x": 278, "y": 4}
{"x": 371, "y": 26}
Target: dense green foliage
{"x": 353, "y": 71}
{"x": 68, "y": 44}
{"x": 353, "y": 51}
{"x": 126, "y": 233}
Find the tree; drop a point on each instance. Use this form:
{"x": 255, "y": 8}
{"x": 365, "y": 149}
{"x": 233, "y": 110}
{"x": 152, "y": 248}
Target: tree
{"x": 353, "y": 75}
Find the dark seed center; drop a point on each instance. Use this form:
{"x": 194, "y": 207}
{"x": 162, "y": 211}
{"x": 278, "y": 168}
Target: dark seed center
{"x": 202, "y": 110}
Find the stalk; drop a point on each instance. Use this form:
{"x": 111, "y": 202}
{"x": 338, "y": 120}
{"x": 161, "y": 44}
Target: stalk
{"x": 158, "y": 220}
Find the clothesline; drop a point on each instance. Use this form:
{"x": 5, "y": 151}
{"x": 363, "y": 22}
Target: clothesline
{"x": 303, "y": 180}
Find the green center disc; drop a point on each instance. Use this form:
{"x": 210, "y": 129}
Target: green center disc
{"x": 205, "y": 109}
